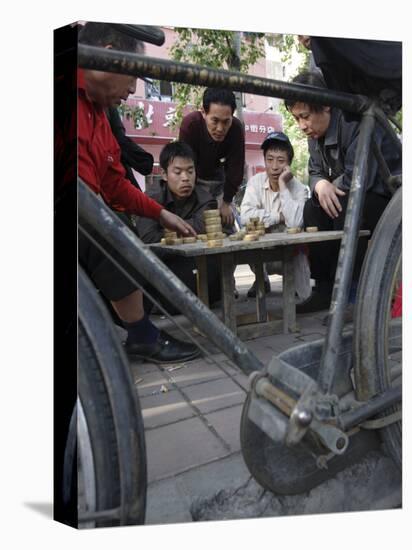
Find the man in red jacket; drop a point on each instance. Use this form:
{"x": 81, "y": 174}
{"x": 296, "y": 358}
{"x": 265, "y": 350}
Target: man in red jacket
{"x": 99, "y": 166}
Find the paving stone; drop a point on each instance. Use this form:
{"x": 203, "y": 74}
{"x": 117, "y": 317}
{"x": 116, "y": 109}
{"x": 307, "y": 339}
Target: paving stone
{"x": 283, "y": 341}
{"x": 214, "y": 395}
{"x": 164, "y": 408}
{"x": 177, "y": 447}
{"x": 243, "y": 380}
{"x": 208, "y": 480}
{"x": 227, "y": 425}
{"x": 166, "y": 503}
{"x": 311, "y": 337}
{"x": 194, "y": 374}
{"x": 147, "y": 383}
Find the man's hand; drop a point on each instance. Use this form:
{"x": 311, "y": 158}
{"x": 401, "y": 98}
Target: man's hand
{"x": 226, "y": 214}
{"x": 174, "y": 223}
{"x": 285, "y": 176}
{"x": 328, "y": 196}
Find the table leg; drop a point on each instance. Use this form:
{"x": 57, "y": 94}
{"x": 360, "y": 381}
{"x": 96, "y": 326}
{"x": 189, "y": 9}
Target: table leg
{"x": 228, "y": 289}
{"x": 261, "y": 312}
{"x": 289, "y": 304}
{"x": 202, "y": 279}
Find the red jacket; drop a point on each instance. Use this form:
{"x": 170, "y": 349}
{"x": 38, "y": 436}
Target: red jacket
{"x": 99, "y": 161}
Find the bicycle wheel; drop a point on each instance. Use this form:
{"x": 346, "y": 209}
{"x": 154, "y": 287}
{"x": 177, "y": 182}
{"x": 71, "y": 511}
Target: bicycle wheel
{"x": 111, "y": 454}
{"x": 377, "y": 335}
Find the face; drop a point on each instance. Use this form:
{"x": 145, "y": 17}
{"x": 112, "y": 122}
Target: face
{"x": 218, "y": 120}
{"x": 275, "y": 161}
{"x": 109, "y": 89}
{"x": 313, "y": 124}
{"x": 180, "y": 177}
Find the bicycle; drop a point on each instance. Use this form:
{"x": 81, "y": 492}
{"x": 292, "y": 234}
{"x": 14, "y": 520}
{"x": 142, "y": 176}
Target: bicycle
{"x": 319, "y": 407}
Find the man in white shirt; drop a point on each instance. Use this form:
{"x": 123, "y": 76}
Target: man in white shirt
{"x": 277, "y": 198}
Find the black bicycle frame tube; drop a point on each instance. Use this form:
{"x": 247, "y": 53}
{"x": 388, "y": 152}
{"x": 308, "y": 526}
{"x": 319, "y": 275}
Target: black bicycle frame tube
{"x": 103, "y": 59}
{"x": 111, "y": 231}
{"x": 347, "y": 254}
{"x": 384, "y": 122}
{"x": 392, "y": 396}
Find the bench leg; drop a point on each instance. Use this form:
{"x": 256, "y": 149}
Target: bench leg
{"x": 289, "y": 304}
{"x": 261, "y": 312}
{"x": 228, "y": 289}
{"x": 202, "y": 279}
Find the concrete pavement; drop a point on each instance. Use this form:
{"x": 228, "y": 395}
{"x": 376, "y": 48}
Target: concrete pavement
{"x": 192, "y": 413}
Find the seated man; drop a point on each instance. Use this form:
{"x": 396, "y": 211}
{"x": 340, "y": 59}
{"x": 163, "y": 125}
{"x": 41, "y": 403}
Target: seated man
{"x": 277, "y": 199}
{"x": 332, "y": 142}
{"x": 178, "y": 193}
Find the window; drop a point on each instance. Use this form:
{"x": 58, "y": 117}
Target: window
{"x": 158, "y": 90}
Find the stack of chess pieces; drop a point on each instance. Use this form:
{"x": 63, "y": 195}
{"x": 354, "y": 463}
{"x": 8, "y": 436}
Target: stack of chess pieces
{"x": 255, "y": 228}
{"x": 172, "y": 238}
{"x": 213, "y": 227}
{"x": 214, "y": 235}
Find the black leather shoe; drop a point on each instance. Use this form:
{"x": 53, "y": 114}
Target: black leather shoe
{"x": 165, "y": 350}
{"x": 251, "y": 293}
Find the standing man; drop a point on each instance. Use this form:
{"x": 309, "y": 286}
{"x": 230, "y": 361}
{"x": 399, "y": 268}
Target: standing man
{"x": 218, "y": 140}
{"x": 100, "y": 168}
{"x": 332, "y": 142}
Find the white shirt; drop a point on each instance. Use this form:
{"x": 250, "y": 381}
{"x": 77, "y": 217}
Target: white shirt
{"x": 260, "y": 201}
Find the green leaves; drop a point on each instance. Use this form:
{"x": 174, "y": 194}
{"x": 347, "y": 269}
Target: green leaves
{"x": 212, "y": 48}
{"x": 137, "y": 114}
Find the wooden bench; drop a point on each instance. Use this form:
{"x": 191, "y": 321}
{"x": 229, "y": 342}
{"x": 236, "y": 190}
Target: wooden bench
{"x": 270, "y": 247}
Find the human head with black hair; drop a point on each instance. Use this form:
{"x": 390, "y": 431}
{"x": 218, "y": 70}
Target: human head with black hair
{"x": 313, "y": 119}
{"x": 218, "y": 108}
{"x": 109, "y": 34}
{"x": 278, "y": 155}
{"x": 280, "y": 142}
{"x": 104, "y": 88}
{"x": 177, "y": 163}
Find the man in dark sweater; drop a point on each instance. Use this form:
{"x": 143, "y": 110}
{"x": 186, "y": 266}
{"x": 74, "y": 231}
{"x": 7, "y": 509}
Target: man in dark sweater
{"x": 178, "y": 193}
{"x": 218, "y": 141}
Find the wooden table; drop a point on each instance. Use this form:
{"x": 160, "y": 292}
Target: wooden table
{"x": 270, "y": 247}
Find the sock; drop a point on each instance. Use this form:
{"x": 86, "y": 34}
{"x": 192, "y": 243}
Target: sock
{"x": 141, "y": 332}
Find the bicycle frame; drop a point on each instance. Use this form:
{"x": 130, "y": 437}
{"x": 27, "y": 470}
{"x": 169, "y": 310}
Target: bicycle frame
{"x": 111, "y": 231}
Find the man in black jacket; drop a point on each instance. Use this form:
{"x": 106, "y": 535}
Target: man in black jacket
{"x": 178, "y": 193}
{"x": 332, "y": 142}
{"x": 132, "y": 155}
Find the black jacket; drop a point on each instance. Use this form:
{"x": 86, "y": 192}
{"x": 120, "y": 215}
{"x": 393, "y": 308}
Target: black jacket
{"x": 332, "y": 157}
{"x": 190, "y": 209}
{"x": 132, "y": 155}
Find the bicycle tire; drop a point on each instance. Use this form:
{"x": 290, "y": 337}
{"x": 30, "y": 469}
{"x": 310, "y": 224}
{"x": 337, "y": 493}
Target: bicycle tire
{"x": 372, "y": 317}
{"x": 112, "y": 415}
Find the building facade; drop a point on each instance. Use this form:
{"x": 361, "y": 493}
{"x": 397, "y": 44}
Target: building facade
{"x": 155, "y": 100}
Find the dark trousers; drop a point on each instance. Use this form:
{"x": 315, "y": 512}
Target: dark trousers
{"x": 323, "y": 257}
{"x": 183, "y": 269}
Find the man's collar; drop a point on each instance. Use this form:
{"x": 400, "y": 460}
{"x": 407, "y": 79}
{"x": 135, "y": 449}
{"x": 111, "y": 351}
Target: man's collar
{"x": 331, "y": 136}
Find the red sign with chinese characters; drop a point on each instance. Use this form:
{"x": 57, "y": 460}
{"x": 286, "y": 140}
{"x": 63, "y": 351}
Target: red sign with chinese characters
{"x": 159, "y": 115}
